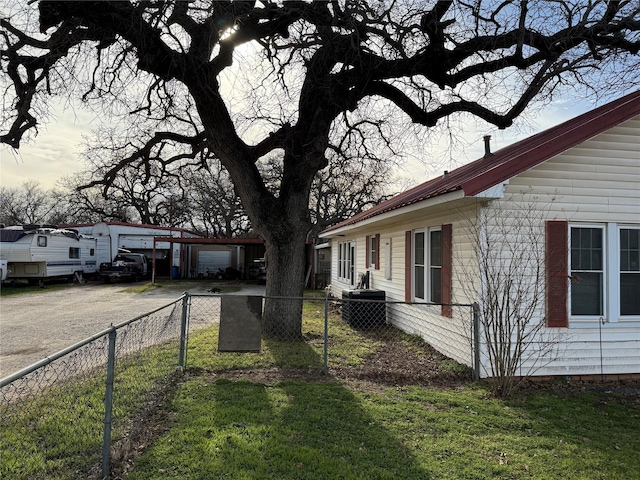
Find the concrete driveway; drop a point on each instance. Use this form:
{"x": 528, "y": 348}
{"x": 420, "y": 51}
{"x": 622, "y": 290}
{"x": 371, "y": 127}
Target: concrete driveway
{"x": 35, "y": 325}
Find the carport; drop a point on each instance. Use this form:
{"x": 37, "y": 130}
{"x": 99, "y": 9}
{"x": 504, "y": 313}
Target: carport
{"x": 198, "y": 256}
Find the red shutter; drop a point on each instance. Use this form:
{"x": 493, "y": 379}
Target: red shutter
{"x": 447, "y": 254}
{"x": 377, "y": 259}
{"x": 556, "y": 252}
{"x": 367, "y": 249}
{"x": 407, "y": 266}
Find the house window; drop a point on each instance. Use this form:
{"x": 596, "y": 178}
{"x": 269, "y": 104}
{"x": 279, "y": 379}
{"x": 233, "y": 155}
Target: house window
{"x": 346, "y": 262}
{"x": 373, "y": 250}
{"x": 42, "y": 241}
{"x": 74, "y": 252}
{"x": 387, "y": 259}
{"x": 604, "y": 268}
{"x": 587, "y": 270}
{"x": 427, "y": 265}
{"x": 435, "y": 265}
{"x": 630, "y": 271}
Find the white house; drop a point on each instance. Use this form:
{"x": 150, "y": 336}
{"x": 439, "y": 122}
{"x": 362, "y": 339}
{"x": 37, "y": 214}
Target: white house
{"x": 576, "y": 188}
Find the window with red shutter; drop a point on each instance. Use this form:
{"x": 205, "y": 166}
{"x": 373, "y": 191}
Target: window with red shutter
{"x": 447, "y": 266}
{"x": 407, "y": 265}
{"x": 556, "y": 251}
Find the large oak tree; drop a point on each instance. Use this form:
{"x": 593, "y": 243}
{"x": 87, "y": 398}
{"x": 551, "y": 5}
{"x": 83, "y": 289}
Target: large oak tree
{"x": 245, "y": 80}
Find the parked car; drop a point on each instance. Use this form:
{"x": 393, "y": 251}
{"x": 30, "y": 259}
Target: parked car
{"x": 125, "y": 266}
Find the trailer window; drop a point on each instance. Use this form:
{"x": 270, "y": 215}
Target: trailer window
{"x": 91, "y": 252}
{"x": 74, "y": 252}
{"x": 42, "y": 241}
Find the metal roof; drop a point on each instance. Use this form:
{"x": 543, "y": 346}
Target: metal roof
{"x": 480, "y": 175}
{"x": 132, "y": 225}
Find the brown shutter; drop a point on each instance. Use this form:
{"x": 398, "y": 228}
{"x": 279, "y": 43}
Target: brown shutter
{"x": 447, "y": 253}
{"x": 367, "y": 249}
{"x": 377, "y": 259}
{"x": 556, "y": 252}
{"x": 407, "y": 266}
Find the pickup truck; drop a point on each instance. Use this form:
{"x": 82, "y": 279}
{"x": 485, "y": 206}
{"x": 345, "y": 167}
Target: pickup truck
{"x": 125, "y": 266}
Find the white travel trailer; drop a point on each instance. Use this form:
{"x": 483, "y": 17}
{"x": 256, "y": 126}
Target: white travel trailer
{"x": 39, "y": 252}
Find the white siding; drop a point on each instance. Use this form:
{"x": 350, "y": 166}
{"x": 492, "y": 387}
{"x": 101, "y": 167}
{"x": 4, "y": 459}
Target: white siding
{"x": 583, "y": 353}
{"x": 596, "y": 182}
{"x": 450, "y": 336}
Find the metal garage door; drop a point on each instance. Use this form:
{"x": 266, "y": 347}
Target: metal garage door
{"x": 212, "y": 260}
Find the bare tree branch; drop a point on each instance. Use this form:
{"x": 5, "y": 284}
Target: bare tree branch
{"x": 171, "y": 72}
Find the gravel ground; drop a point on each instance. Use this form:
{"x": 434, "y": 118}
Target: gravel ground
{"x": 35, "y": 325}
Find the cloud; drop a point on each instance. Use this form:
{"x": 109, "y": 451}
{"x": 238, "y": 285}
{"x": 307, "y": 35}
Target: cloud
{"x": 55, "y": 152}
{"x": 52, "y": 154}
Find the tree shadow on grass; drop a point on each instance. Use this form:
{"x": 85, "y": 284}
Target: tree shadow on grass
{"x": 287, "y": 429}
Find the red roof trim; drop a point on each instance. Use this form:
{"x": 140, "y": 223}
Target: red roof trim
{"x": 528, "y": 153}
{"x": 209, "y": 241}
{"x": 506, "y": 163}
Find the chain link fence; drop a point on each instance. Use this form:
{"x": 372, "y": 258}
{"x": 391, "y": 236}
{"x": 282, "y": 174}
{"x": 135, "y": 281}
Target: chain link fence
{"x": 79, "y": 412}
{"x": 347, "y": 337}
{"x": 67, "y": 415}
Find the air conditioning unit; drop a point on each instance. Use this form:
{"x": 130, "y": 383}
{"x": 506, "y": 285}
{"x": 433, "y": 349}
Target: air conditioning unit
{"x": 361, "y": 311}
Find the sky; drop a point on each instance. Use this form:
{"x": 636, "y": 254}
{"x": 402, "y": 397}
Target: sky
{"x": 55, "y": 151}
{"x": 51, "y": 155}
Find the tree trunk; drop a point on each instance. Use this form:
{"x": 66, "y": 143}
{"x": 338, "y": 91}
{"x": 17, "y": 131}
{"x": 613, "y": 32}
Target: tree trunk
{"x": 281, "y": 219}
{"x": 282, "y": 314}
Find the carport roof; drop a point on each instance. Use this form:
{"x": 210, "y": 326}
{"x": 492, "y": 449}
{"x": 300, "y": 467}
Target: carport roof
{"x": 210, "y": 241}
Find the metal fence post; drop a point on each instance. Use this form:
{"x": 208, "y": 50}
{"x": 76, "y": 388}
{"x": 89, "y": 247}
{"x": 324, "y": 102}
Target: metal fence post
{"x": 108, "y": 403}
{"x": 476, "y": 341}
{"x": 325, "y": 364}
{"x": 183, "y": 331}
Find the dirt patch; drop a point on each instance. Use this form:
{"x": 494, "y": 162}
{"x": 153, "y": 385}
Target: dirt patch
{"x": 395, "y": 364}
{"x": 150, "y": 424}
{"x": 625, "y": 392}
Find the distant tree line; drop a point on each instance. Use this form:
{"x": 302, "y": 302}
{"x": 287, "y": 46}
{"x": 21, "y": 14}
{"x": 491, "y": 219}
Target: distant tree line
{"x": 198, "y": 199}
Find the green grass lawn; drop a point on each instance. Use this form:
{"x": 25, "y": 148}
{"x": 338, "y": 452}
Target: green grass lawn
{"x": 242, "y": 427}
{"x": 271, "y": 415}
{"x": 305, "y": 430}
{"x": 58, "y": 434}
